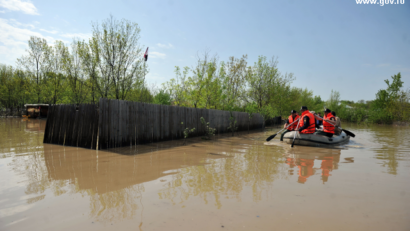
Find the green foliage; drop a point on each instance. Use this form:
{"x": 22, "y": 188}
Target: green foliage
{"x": 209, "y": 132}
{"x": 232, "y": 124}
{"x": 187, "y": 131}
{"x": 391, "y": 104}
{"x": 334, "y": 100}
{"x": 251, "y": 109}
{"x": 111, "y": 65}
{"x": 162, "y": 98}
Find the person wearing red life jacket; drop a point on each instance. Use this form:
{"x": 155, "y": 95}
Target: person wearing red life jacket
{"x": 329, "y": 122}
{"x": 292, "y": 118}
{"x": 306, "y": 122}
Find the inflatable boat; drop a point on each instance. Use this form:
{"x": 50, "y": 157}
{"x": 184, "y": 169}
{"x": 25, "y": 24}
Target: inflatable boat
{"x": 315, "y": 139}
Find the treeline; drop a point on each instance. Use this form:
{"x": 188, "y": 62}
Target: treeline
{"x": 235, "y": 85}
{"x": 391, "y": 104}
{"x": 111, "y": 65}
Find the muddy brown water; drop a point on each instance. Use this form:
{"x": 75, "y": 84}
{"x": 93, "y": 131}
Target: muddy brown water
{"x": 230, "y": 183}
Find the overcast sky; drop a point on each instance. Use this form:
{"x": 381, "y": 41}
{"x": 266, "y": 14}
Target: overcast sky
{"x": 337, "y": 45}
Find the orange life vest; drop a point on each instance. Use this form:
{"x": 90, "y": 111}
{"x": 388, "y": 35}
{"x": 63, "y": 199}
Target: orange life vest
{"x": 328, "y": 127}
{"x": 311, "y": 128}
{"x": 291, "y": 120}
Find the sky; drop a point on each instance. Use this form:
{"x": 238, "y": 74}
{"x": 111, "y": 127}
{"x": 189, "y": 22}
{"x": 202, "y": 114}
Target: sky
{"x": 328, "y": 45}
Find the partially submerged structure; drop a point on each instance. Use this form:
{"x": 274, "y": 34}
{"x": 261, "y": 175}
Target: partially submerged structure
{"x": 118, "y": 123}
{"x": 36, "y": 110}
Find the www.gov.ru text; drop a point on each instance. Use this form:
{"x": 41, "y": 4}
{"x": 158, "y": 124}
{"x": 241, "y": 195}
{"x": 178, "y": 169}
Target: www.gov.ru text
{"x": 380, "y": 2}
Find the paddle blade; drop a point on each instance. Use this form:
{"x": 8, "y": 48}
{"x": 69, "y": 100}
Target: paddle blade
{"x": 349, "y": 133}
{"x": 293, "y": 143}
{"x": 271, "y": 137}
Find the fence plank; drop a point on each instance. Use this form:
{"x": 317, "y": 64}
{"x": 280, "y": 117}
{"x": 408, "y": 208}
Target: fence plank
{"x": 49, "y": 123}
{"x": 56, "y": 128}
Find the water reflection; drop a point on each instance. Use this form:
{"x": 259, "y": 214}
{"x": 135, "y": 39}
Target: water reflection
{"x": 235, "y": 168}
{"x": 113, "y": 181}
{"x": 389, "y": 143}
{"x": 393, "y": 145}
{"x": 252, "y": 165}
{"x": 20, "y": 137}
{"x": 304, "y": 161}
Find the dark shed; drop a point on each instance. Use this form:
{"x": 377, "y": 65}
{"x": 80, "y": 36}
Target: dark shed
{"x": 36, "y": 110}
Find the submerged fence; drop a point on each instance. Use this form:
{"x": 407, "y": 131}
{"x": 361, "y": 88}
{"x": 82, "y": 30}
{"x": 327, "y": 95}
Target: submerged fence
{"x": 117, "y": 123}
{"x": 72, "y": 126}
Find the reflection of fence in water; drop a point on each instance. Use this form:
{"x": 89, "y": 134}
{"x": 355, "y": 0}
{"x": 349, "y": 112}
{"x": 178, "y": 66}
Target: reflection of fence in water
{"x": 105, "y": 172}
{"x": 120, "y": 123}
{"x": 35, "y": 125}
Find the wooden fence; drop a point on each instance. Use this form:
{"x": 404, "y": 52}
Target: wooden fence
{"x": 72, "y": 126}
{"x": 119, "y": 123}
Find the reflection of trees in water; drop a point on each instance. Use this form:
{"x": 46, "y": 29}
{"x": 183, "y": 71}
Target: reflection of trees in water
{"x": 17, "y": 140}
{"x": 55, "y": 168}
{"x": 258, "y": 167}
{"x": 395, "y": 146}
{"x": 35, "y": 199}
{"x": 23, "y": 142}
{"x": 116, "y": 205}
{"x": 262, "y": 168}
{"x": 51, "y": 171}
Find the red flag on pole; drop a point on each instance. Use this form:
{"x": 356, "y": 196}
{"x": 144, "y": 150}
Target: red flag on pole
{"x": 146, "y": 55}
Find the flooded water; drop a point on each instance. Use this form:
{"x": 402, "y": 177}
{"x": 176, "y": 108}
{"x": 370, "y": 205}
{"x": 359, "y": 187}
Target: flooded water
{"x": 230, "y": 183}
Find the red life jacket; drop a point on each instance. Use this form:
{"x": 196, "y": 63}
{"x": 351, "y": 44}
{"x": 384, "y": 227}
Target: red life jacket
{"x": 291, "y": 120}
{"x": 311, "y": 128}
{"x": 328, "y": 127}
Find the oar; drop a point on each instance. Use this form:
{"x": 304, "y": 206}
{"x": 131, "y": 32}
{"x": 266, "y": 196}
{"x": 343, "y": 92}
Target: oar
{"x": 349, "y": 133}
{"x": 296, "y": 130}
{"x": 273, "y": 136}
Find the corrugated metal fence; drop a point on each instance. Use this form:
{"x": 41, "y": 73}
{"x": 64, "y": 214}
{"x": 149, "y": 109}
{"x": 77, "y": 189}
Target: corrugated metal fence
{"x": 119, "y": 123}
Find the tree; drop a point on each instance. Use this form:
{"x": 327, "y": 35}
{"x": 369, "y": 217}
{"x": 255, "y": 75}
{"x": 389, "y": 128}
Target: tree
{"x": 71, "y": 64}
{"x": 54, "y": 79}
{"x": 177, "y": 87}
{"x": 334, "y": 100}
{"x": 200, "y": 84}
{"x": 6, "y": 86}
{"x": 89, "y": 60}
{"x": 401, "y": 106}
{"x": 54, "y": 86}
{"x": 119, "y": 55}
{"x": 281, "y": 95}
{"x": 233, "y": 76}
{"x": 36, "y": 62}
{"x": 162, "y": 98}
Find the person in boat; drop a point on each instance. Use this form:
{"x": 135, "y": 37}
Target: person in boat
{"x": 319, "y": 122}
{"x": 306, "y": 122}
{"x": 329, "y": 122}
{"x": 292, "y": 118}
{"x": 338, "y": 131}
